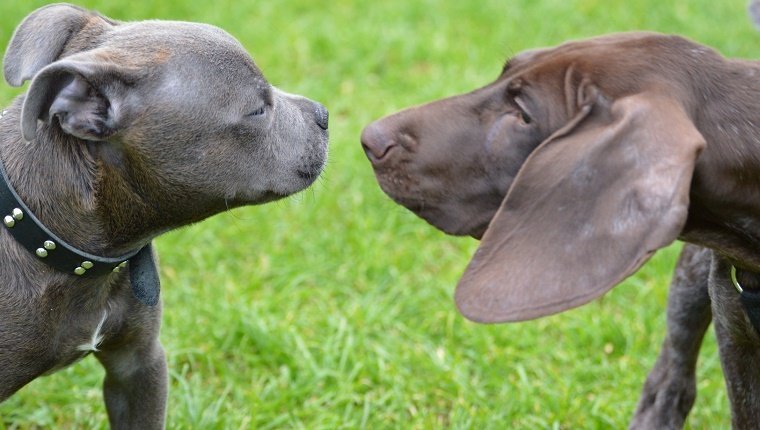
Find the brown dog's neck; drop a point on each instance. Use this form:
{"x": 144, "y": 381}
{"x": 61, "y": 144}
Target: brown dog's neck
{"x": 747, "y": 280}
{"x": 724, "y": 213}
{"x": 727, "y": 109}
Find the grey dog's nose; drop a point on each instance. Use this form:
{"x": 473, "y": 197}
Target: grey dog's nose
{"x": 321, "y": 116}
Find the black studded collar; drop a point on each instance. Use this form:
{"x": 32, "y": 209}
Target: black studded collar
{"x": 30, "y": 233}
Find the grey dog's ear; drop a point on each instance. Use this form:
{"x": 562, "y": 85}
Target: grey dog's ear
{"x": 44, "y": 35}
{"x": 83, "y": 92}
{"x": 589, "y": 206}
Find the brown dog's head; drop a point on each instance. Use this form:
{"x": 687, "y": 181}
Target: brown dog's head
{"x": 574, "y": 166}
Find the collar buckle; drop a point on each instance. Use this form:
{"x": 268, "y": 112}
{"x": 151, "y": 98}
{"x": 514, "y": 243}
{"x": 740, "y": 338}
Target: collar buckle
{"x": 734, "y": 281}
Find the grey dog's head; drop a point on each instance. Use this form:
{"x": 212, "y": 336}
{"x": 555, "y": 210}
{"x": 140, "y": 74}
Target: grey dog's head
{"x": 178, "y": 110}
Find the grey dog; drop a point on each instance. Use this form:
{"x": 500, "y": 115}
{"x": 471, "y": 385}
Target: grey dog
{"x": 127, "y": 130}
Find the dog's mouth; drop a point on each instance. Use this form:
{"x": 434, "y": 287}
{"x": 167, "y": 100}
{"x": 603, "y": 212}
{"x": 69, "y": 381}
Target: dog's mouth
{"x": 260, "y": 198}
{"x": 311, "y": 173}
{"x": 442, "y": 211}
{"x": 308, "y": 174}
{"x": 444, "y": 219}
{"x": 270, "y": 196}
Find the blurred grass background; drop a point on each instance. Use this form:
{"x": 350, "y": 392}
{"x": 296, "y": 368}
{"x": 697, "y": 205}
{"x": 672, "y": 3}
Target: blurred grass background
{"x": 333, "y": 309}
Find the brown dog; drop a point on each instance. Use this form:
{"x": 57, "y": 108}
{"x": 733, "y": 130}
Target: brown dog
{"x": 576, "y": 165}
{"x": 127, "y": 130}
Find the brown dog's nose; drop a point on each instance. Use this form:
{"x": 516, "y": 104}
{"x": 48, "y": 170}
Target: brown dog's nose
{"x": 376, "y": 142}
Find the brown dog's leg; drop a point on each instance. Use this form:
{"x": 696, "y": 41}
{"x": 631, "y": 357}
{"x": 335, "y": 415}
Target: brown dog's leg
{"x": 670, "y": 389}
{"x": 738, "y": 344}
{"x": 135, "y": 388}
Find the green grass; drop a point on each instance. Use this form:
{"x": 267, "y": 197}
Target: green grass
{"x": 333, "y": 309}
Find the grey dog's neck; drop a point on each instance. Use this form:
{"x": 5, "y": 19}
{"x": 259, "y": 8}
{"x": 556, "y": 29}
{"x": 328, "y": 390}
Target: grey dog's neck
{"x": 56, "y": 177}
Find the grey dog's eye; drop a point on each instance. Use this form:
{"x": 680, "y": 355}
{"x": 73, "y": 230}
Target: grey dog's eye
{"x": 258, "y": 112}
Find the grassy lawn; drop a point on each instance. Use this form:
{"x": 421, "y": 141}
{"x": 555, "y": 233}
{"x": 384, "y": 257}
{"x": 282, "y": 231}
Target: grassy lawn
{"x": 334, "y": 309}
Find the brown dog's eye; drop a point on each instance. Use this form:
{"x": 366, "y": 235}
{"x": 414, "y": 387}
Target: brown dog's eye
{"x": 514, "y": 91}
{"x": 525, "y": 117}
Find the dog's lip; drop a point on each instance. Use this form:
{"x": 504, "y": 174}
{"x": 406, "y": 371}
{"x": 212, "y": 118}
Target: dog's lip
{"x": 273, "y": 195}
{"x": 308, "y": 175}
{"x": 260, "y": 198}
{"x": 310, "y": 172}
{"x": 436, "y": 216}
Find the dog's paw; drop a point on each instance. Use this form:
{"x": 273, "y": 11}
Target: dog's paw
{"x": 665, "y": 400}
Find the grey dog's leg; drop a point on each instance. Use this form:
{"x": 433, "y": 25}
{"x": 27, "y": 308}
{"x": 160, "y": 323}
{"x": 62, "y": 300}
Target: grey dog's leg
{"x": 135, "y": 387}
{"x": 670, "y": 389}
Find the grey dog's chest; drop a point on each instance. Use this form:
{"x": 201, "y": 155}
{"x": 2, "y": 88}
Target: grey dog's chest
{"x": 82, "y": 336}
{"x": 63, "y": 324}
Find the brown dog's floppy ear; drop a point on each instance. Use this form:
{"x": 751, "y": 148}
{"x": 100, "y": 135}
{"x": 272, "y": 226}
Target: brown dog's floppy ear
{"x": 589, "y": 206}
{"x": 82, "y": 93}
{"x": 41, "y": 38}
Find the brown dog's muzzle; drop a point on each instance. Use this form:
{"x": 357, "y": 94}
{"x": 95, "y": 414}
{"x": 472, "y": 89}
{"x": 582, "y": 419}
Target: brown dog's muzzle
{"x": 389, "y": 149}
{"x": 410, "y": 152}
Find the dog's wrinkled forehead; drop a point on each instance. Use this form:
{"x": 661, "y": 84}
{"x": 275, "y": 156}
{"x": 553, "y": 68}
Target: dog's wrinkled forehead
{"x": 591, "y": 58}
{"x": 193, "y": 61}
{"x": 192, "y": 50}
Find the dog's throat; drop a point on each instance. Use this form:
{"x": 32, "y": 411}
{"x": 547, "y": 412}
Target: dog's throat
{"x": 747, "y": 285}
{"x": 48, "y": 248}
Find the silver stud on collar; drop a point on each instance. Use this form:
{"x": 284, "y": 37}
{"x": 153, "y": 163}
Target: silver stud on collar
{"x": 82, "y": 268}
{"x": 16, "y": 215}
{"x": 48, "y": 245}
{"x": 118, "y": 268}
